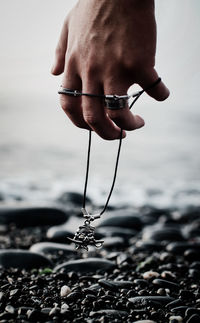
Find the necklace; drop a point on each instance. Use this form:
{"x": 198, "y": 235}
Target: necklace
{"x": 84, "y": 236}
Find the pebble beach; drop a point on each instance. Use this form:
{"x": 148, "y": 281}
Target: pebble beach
{"x": 147, "y": 271}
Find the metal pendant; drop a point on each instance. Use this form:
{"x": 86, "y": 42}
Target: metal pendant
{"x": 84, "y": 236}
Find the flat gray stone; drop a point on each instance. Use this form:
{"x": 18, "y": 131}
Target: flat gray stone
{"x": 51, "y": 247}
{"x": 85, "y": 266}
{"x": 22, "y": 259}
{"x": 28, "y": 216}
{"x": 157, "y": 299}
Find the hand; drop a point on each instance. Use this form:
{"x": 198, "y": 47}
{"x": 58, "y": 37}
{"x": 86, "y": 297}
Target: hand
{"x": 105, "y": 47}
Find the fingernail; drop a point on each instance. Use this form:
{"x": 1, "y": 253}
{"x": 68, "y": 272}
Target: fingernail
{"x": 140, "y": 122}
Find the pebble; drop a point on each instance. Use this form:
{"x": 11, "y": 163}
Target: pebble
{"x": 123, "y": 221}
{"x": 52, "y": 247}
{"x": 158, "y": 299}
{"x": 65, "y": 290}
{"x": 192, "y": 255}
{"x": 114, "y": 231}
{"x": 115, "y": 285}
{"x": 144, "y": 321}
{"x": 179, "y": 247}
{"x": 110, "y": 313}
{"x": 114, "y": 242}
{"x": 59, "y": 234}
{"x": 166, "y": 284}
{"x": 72, "y": 198}
{"x": 193, "y": 319}
{"x": 22, "y": 259}
{"x": 150, "y": 274}
{"x": 85, "y": 266}
{"x": 161, "y": 234}
{"x": 175, "y": 319}
{"x": 28, "y": 216}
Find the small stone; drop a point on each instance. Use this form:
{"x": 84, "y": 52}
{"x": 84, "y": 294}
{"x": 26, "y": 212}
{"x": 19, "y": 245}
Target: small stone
{"x": 144, "y": 321}
{"x": 65, "y": 290}
{"x": 157, "y": 299}
{"x": 110, "y": 313}
{"x": 175, "y": 319}
{"x": 150, "y": 274}
{"x": 193, "y": 319}
{"x": 10, "y": 309}
{"x": 85, "y": 266}
{"x": 166, "y": 284}
{"x": 115, "y": 285}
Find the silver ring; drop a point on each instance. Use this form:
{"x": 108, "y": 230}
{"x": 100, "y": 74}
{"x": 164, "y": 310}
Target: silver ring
{"x": 114, "y": 102}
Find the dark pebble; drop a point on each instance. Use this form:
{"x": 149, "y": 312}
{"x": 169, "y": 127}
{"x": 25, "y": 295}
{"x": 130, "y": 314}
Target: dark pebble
{"x": 23, "y": 259}
{"x": 123, "y": 221}
{"x": 116, "y": 231}
{"x": 73, "y": 198}
{"x": 162, "y": 234}
{"x": 179, "y": 310}
{"x": 192, "y": 255}
{"x": 31, "y": 216}
{"x": 85, "y": 266}
{"x": 110, "y": 313}
{"x": 166, "y": 284}
{"x": 158, "y": 299}
{"x": 193, "y": 319}
{"x": 115, "y": 285}
{"x": 180, "y": 247}
{"x": 51, "y": 247}
{"x": 191, "y": 310}
{"x": 175, "y": 303}
{"x": 57, "y": 234}
{"x": 114, "y": 242}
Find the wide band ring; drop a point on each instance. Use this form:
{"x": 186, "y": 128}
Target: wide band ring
{"x": 115, "y": 103}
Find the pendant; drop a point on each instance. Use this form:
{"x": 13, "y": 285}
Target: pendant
{"x": 84, "y": 236}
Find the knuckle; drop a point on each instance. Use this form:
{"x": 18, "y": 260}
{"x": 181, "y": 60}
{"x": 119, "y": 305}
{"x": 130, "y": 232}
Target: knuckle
{"x": 91, "y": 119}
{"x": 66, "y": 105}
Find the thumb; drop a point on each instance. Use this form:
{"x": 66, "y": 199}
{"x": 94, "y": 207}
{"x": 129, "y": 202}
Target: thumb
{"x": 159, "y": 92}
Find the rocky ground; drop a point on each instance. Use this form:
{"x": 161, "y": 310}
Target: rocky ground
{"x": 147, "y": 271}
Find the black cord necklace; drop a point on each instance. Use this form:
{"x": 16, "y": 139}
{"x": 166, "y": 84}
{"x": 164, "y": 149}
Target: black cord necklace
{"x": 84, "y": 236}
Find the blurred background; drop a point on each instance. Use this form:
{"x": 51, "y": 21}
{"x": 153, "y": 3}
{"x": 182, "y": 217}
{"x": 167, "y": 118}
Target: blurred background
{"x": 42, "y": 154}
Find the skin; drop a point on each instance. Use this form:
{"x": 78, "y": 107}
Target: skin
{"x": 105, "y": 46}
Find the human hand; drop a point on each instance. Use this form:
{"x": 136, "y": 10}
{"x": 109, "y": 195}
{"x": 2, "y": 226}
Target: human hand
{"x": 105, "y": 47}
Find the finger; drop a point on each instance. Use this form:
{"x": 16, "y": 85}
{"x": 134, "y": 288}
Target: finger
{"x": 122, "y": 117}
{"x": 159, "y": 92}
{"x": 59, "y": 63}
{"x": 70, "y": 104}
{"x": 95, "y": 115}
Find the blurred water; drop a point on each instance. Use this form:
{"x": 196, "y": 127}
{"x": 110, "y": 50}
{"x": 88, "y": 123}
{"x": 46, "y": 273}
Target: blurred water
{"x": 42, "y": 154}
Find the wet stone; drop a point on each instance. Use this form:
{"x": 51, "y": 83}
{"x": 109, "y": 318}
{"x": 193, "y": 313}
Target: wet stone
{"x": 158, "y": 299}
{"x": 180, "y": 247}
{"x": 123, "y": 221}
{"x": 110, "y": 313}
{"x": 31, "y": 216}
{"x": 22, "y": 259}
{"x": 114, "y": 242}
{"x": 162, "y": 234}
{"x": 193, "y": 319}
{"x": 72, "y": 198}
{"x": 144, "y": 321}
{"x": 52, "y": 247}
{"x": 57, "y": 234}
{"x": 85, "y": 266}
{"x": 192, "y": 255}
{"x": 166, "y": 284}
{"x": 115, "y": 285}
{"x": 114, "y": 231}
